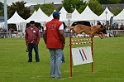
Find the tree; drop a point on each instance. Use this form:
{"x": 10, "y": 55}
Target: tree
{"x": 19, "y": 6}
{"x": 1, "y": 9}
{"x": 95, "y": 6}
{"x": 46, "y": 8}
{"x": 116, "y": 11}
{"x": 67, "y": 5}
{"x": 70, "y": 5}
{"x": 59, "y": 8}
{"x": 102, "y": 1}
{"x": 82, "y": 7}
{"x": 114, "y": 1}
{"x": 1, "y": 5}
{"x": 122, "y": 1}
{"x": 110, "y": 1}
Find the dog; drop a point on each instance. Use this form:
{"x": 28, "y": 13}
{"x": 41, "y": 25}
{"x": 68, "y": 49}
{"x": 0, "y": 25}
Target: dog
{"x": 97, "y": 30}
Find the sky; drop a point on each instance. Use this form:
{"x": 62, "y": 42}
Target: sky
{"x": 33, "y": 2}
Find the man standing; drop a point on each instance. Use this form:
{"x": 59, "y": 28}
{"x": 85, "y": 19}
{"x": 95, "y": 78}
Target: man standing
{"x": 32, "y": 38}
{"x": 54, "y": 39}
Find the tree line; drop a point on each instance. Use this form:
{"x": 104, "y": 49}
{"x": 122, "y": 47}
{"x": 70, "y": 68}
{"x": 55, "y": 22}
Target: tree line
{"x": 69, "y": 5}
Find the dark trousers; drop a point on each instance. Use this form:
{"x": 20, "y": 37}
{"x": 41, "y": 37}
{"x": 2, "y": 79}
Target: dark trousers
{"x": 30, "y": 48}
{"x": 63, "y": 58}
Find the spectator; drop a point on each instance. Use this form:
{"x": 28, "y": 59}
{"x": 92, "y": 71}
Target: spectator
{"x": 63, "y": 58}
{"x": 98, "y": 23}
{"x": 113, "y": 26}
{"x": 121, "y": 27}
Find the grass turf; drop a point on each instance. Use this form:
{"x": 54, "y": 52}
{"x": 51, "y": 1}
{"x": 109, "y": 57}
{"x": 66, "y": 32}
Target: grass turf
{"x": 108, "y": 62}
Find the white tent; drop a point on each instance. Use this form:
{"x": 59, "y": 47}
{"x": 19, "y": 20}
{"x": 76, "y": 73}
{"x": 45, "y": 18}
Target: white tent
{"x": 15, "y": 19}
{"x": 88, "y": 14}
{"x": 119, "y": 17}
{"x": 106, "y": 15}
{"x": 38, "y": 16}
{"x": 75, "y": 15}
{"x": 51, "y": 16}
{"x": 31, "y": 17}
{"x": 44, "y": 17}
{"x": 63, "y": 14}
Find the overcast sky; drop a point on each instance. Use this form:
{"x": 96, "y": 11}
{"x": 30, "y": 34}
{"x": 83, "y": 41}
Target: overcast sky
{"x": 32, "y": 2}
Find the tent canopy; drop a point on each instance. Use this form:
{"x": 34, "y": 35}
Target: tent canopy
{"x": 63, "y": 14}
{"x": 15, "y": 19}
{"x": 88, "y": 14}
{"x": 75, "y": 15}
{"x": 38, "y": 16}
{"x": 106, "y": 15}
{"x": 119, "y": 16}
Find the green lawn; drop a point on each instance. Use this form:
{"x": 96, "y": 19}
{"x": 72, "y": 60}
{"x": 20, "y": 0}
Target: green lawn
{"x": 108, "y": 62}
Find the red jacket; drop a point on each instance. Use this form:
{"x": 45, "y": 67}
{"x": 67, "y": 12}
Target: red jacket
{"x": 53, "y": 35}
{"x": 32, "y": 36}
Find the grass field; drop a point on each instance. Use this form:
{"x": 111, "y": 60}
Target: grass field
{"x": 108, "y": 62}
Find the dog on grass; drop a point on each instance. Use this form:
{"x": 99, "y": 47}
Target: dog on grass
{"x": 97, "y": 30}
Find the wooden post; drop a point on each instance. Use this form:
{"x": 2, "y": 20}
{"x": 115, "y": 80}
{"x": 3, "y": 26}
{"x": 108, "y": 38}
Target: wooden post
{"x": 70, "y": 57}
{"x": 92, "y": 53}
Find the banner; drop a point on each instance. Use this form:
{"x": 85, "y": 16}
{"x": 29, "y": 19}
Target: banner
{"x": 82, "y": 55}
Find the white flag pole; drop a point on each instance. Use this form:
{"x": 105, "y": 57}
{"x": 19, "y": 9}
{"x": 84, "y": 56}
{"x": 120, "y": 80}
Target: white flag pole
{"x": 5, "y": 16}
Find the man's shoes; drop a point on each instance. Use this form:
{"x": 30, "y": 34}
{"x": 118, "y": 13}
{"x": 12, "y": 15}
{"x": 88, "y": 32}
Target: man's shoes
{"x": 38, "y": 61}
{"x": 29, "y": 61}
{"x": 56, "y": 77}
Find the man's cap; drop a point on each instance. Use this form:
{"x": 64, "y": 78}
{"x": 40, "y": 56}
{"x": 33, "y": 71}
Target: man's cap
{"x": 32, "y": 22}
{"x": 55, "y": 14}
